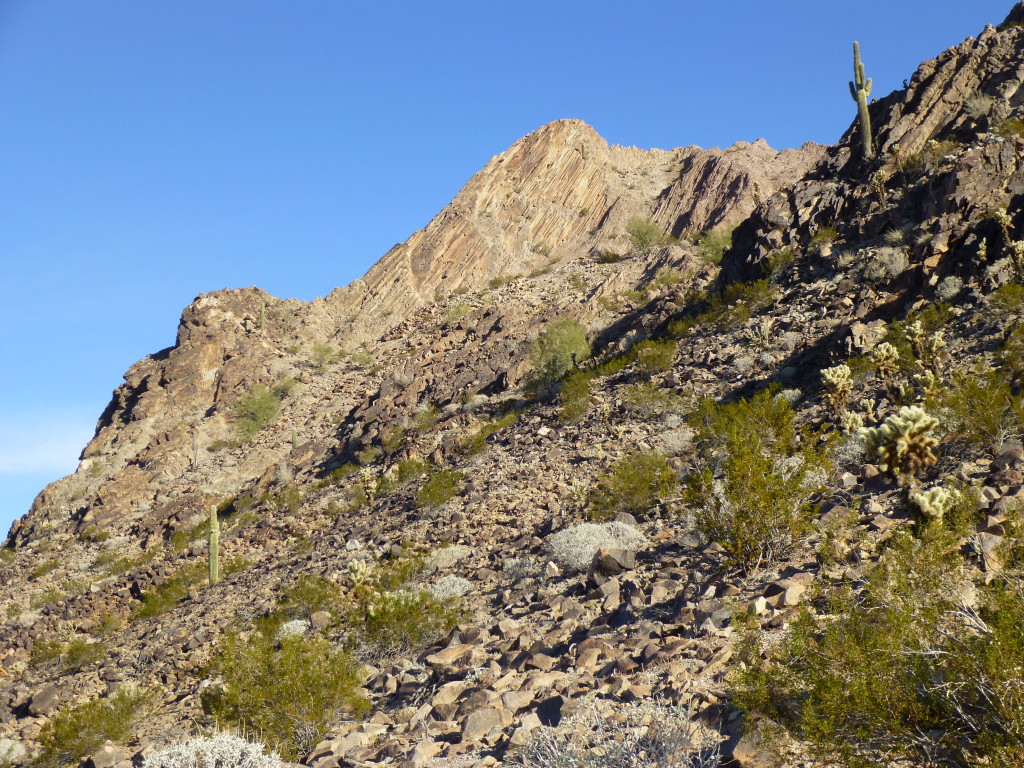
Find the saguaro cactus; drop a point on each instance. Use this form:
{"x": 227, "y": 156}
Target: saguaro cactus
{"x": 860, "y": 89}
{"x": 214, "y": 545}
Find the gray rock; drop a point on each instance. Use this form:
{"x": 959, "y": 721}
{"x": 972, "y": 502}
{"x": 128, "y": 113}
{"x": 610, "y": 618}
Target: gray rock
{"x": 44, "y": 701}
{"x": 480, "y": 723}
{"x": 107, "y": 756}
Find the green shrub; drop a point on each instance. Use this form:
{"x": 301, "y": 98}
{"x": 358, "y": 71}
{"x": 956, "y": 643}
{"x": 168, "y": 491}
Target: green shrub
{"x": 45, "y": 651}
{"x": 561, "y": 347}
{"x": 456, "y": 312}
{"x": 824, "y": 234}
{"x": 308, "y": 595}
{"x": 500, "y": 280}
{"x": 757, "y": 474}
{"x": 655, "y": 356}
{"x": 255, "y": 410}
{"x": 574, "y": 395}
{"x": 1009, "y": 298}
{"x": 979, "y": 409}
{"x": 424, "y": 420}
{"x": 728, "y": 309}
{"x": 363, "y": 358}
{"x": 80, "y": 654}
{"x": 77, "y": 732}
{"x": 667, "y": 277}
{"x": 294, "y": 692}
{"x": 714, "y": 243}
{"x": 395, "y": 572}
{"x": 164, "y": 597}
{"x": 403, "y": 473}
{"x": 634, "y": 485}
{"x": 49, "y": 597}
{"x": 646, "y": 400}
{"x": 441, "y": 487}
{"x": 609, "y": 257}
{"x": 44, "y": 568}
{"x": 1010, "y": 128}
{"x": 644, "y": 233}
{"x": 478, "y": 443}
{"x": 902, "y": 670}
{"x": 400, "y": 620}
{"x": 322, "y": 355}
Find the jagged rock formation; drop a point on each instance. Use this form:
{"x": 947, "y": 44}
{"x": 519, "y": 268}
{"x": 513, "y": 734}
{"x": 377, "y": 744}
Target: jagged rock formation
{"x": 438, "y": 336}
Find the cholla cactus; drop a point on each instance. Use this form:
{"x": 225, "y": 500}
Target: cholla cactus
{"x": 1003, "y": 220}
{"x": 869, "y": 408}
{"x": 878, "y": 181}
{"x": 902, "y": 442}
{"x": 1017, "y": 254}
{"x": 369, "y": 480}
{"x": 761, "y": 334}
{"x": 929, "y": 349}
{"x": 358, "y": 573}
{"x": 838, "y": 387}
{"x": 886, "y": 359}
{"x": 381, "y": 604}
{"x": 852, "y": 422}
{"x": 935, "y": 503}
{"x": 929, "y": 383}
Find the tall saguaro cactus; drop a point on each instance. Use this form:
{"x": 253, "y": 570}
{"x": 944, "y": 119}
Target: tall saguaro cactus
{"x": 860, "y": 89}
{"x": 214, "y": 545}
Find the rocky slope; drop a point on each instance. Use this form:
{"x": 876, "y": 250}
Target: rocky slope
{"x": 420, "y": 370}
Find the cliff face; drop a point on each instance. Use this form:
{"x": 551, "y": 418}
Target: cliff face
{"x": 417, "y": 371}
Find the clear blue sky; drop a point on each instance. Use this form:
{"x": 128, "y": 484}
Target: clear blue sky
{"x": 151, "y": 150}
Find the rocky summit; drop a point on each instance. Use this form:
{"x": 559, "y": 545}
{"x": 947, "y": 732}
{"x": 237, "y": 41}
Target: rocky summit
{"x": 670, "y": 457}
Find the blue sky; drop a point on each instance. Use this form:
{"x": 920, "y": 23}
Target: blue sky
{"x": 151, "y": 150}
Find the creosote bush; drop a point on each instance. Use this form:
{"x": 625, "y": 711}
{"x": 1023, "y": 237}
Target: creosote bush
{"x": 757, "y": 476}
{"x": 294, "y": 692}
{"x": 255, "y": 410}
{"x": 714, "y": 243}
{"x": 441, "y": 487}
{"x": 904, "y": 670}
{"x": 77, "y": 732}
{"x": 979, "y": 410}
{"x": 634, "y": 485}
{"x": 400, "y": 620}
{"x": 390, "y": 616}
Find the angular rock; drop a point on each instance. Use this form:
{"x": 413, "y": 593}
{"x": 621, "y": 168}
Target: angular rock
{"x": 45, "y": 700}
{"x": 479, "y": 724}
